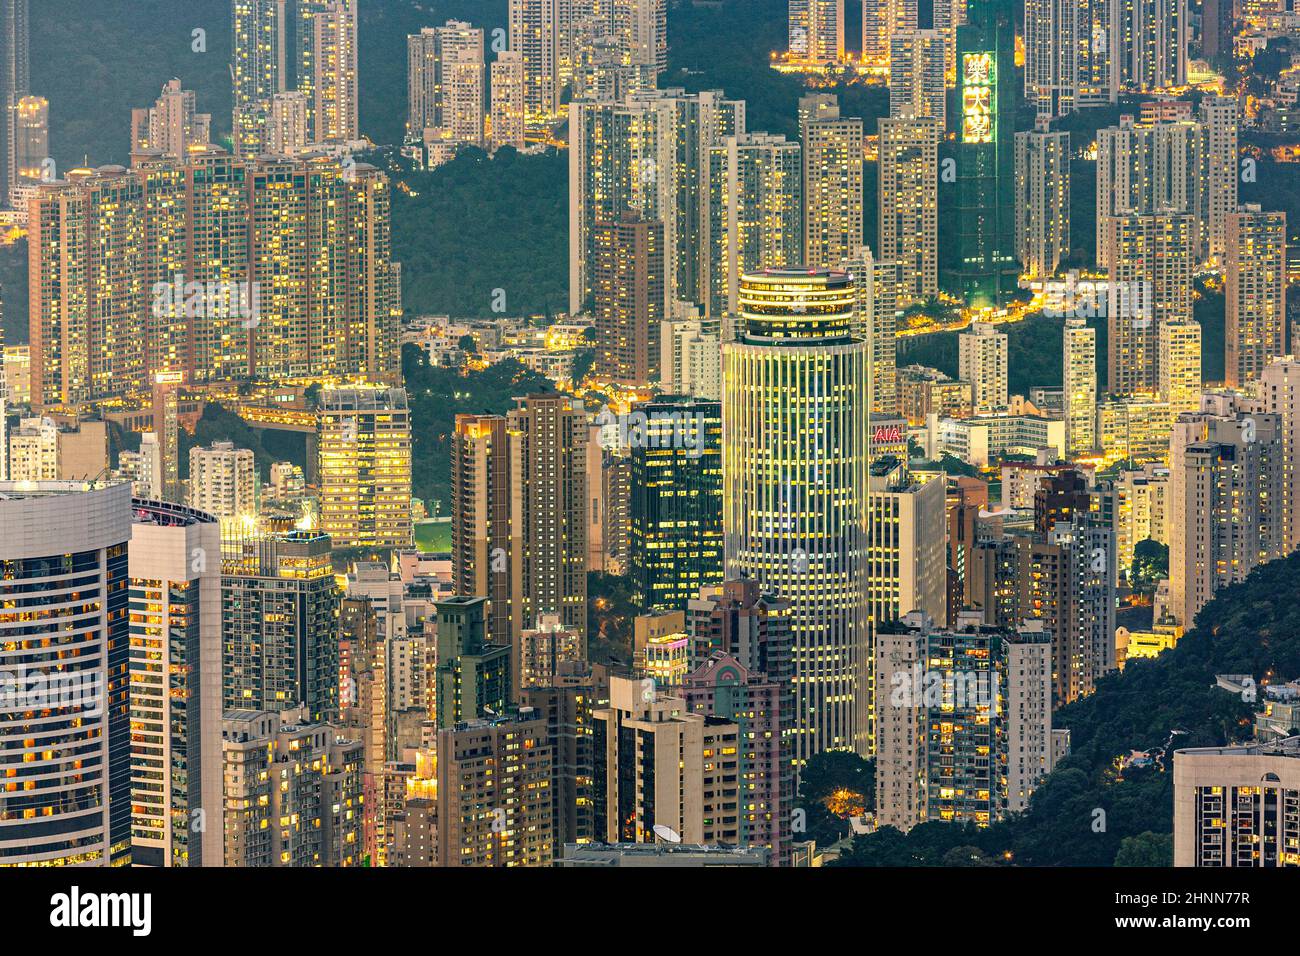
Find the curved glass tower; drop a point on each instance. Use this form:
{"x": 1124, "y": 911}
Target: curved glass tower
{"x": 794, "y": 435}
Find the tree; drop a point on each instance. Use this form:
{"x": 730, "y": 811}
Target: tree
{"x": 834, "y": 787}
{"x": 1150, "y": 564}
{"x": 1146, "y": 849}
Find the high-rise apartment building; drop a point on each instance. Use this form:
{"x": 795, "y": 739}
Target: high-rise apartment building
{"x": 327, "y": 68}
{"x": 472, "y": 674}
{"x": 176, "y": 791}
{"x": 15, "y": 79}
{"x": 1233, "y": 805}
{"x": 1178, "y": 365}
{"x": 293, "y": 793}
{"x": 1042, "y": 200}
{"x": 1068, "y": 64}
{"x": 287, "y": 133}
{"x": 908, "y": 201}
{"x": 646, "y": 153}
{"x": 64, "y": 599}
{"x": 494, "y": 793}
{"x": 1219, "y": 116}
{"x": 1079, "y": 360}
{"x": 280, "y": 625}
{"x": 507, "y": 99}
{"x": 1255, "y": 280}
{"x": 258, "y": 68}
{"x": 172, "y": 125}
{"x": 223, "y": 482}
{"x": 753, "y": 210}
{"x": 832, "y": 183}
{"x": 628, "y": 285}
{"x": 480, "y": 516}
{"x": 916, "y": 76}
{"x": 1148, "y": 44}
{"x": 538, "y": 29}
{"x": 31, "y": 150}
{"x": 445, "y": 83}
{"x": 982, "y": 361}
{"x": 1280, "y": 395}
{"x": 364, "y": 445}
{"x": 1150, "y": 260}
{"x": 883, "y": 20}
{"x": 816, "y": 29}
{"x": 548, "y": 513}
{"x": 795, "y": 414}
{"x": 657, "y": 764}
{"x": 876, "y": 283}
{"x": 676, "y": 501}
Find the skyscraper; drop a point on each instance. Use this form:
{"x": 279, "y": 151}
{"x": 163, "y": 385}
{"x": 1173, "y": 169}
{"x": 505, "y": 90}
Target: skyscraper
{"x": 1068, "y": 61}
{"x": 15, "y": 79}
{"x": 258, "y": 68}
{"x": 536, "y": 31}
{"x": 176, "y": 790}
{"x": 882, "y": 20}
{"x": 1148, "y": 44}
{"x": 676, "y": 507}
{"x": 817, "y": 30}
{"x": 480, "y": 516}
{"x": 67, "y": 737}
{"x": 1255, "y": 279}
{"x": 985, "y": 271}
{"x": 628, "y": 284}
{"x": 279, "y": 627}
{"x": 1042, "y": 200}
{"x": 909, "y": 201}
{"x": 916, "y": 75}
{"x": 1079, "y": 361}
{"x": 832, "y": 165}
{"x": 327, "y": 68}
{"x": 548, "y": 513}
{"x": 172, "y": 125}
{"x": 507, "y": 103}
{"x": 794, "y": 475}
{"x": 982, "y": 361}
{"x": 877, "y": 283}
{"x": 445, "y": 83}
{"x": 223, "y": 482}
{"x": 1178, "y": 365}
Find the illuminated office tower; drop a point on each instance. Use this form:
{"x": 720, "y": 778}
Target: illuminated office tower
{"x": 909, "y": 202}
{"x": 1280, "y": 394}
{"x": 223, "y": 482}
{"x": 1079, "y": 359}
{"x": 882, "y": 21}
{"x": 1042, "y": 200}
{"x": 364, "y": 444}
{"x": 293, "y": 790}
{"x": 176, "y": 798}
{"x": 754, "y": 211}
{"x": 1230, "y": 498}
{"x": 1148, "y": 44}
{"x": 548, "y": 514}
{"x": 1232, "y": 805}
{"x": 985, "y": 270}
{"x": 494, "y": 793}
{"x": 916, "y": 76}
{"x": 31, "y": 149}
{"x": 63, "y": 607}
{"x": 1178, "y": 365}
{"x": 628, "y": 283}
{"x": 676, "y": 507}
{"x": 480, "y": 516}
{"x": 1151, "y": 166}
{"x": 258, "y": 68}
{"x": 641, "y": 27}
{"x": 832, "y": 182}
{"x": 817, "y": 30}
{"x": 1068, "y": 65}
{"x": 34, "y": 450}
{"x": 327, "y": 68}
{"x": 1255, "y": 292}
{"x": 85, "y": 274}
{"x": 659, "y": 765}
{"x": 1150, "y": 267}
{"x": 647, "y": 153}
{"x": 172, "y": 125}
{"x": 445, "y": 77}
{"x": 876, "y": 284}
{"x": 536, "y": 31}
{"x": 286, "y": 132}
{"x": 795, "y": 413}
{"x": 280, "y": 610}
{"x": 1218, "y": 114}
{"x": 982, "y": 361}
{"x": 507, "y": 99}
